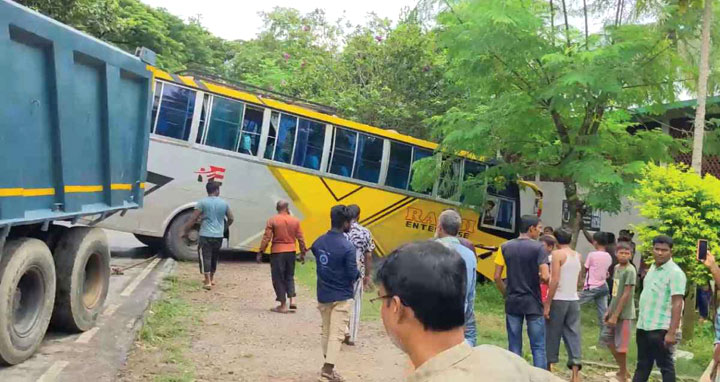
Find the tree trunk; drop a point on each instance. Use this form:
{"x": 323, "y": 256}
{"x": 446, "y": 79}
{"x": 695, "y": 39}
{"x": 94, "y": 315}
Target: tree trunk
{"x": 567, "y": 25}
{"x": 575, "y": 209}
{"x": 689, "y": 316}
{"x": 699, "y": 130}
{"x": 586, "y": 24}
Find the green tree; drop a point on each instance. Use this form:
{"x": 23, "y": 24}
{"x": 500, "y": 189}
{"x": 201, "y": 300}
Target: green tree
{"x": 547, "y": 100}
{"x": 677, "y": 202}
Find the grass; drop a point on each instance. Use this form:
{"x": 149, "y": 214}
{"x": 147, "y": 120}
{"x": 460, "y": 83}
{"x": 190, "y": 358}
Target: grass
{"x": 167, "y": 327}
{"x": 490, "y": 318}
{"x": 489, "y": 311}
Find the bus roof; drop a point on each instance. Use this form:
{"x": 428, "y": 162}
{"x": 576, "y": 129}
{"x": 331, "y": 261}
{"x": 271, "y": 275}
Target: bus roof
{"x": 227, "y": 91}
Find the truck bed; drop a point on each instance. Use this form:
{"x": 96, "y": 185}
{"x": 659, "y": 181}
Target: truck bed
{"x": 74, "y": 121}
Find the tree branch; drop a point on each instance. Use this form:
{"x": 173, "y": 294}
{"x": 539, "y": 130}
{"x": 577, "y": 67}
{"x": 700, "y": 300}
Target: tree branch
{"x": 586, "y": 24}
{"x": 552, "y": 24}
{"x": 560, "y": 127}
{"x": 567, "y": 25}
{"x": 514, "y": 72}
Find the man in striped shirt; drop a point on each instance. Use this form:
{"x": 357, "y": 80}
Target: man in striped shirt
{"x": 659, "y": 313}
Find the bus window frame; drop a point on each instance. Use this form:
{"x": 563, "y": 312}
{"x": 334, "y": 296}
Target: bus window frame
{"x": 500, "y": 198}
{"x": 332, "y": 152}
{"x": 194, "y": 119}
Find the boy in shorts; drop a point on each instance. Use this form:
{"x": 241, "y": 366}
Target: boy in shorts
{"x": 713, "y": 267}
{"x": 621, "y": 312}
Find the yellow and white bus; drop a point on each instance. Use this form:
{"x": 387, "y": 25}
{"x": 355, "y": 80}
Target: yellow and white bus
{"x": 263, "y": 149}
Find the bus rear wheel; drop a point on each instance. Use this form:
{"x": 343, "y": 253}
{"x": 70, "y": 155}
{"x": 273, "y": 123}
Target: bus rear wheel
{"x": 27, "y": 294}
{"x": 182, "y": 249}
{"x": 82, "y": 260}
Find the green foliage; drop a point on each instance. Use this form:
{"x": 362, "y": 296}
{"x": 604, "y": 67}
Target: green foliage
{"x": 385, "y": 76}
{"x": 550, "y": 105}
{"x": 679, "y": 203}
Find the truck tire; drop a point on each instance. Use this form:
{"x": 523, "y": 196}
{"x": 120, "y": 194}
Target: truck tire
{"x": 82, "y": 262}
{"x": 180, "y": 248}
{"x": 27, "y": 294}
{"x": 153, "y": 242}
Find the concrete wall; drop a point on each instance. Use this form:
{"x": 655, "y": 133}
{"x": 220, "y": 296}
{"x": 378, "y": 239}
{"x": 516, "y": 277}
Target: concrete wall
{"x": 554, "y": 194}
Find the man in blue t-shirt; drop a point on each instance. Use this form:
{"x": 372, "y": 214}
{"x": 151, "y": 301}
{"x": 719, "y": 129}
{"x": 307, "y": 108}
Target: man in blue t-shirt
{"x": 336, "y": 275}
{"x": 213, "y": 211}
{"x": 448, "y": 227}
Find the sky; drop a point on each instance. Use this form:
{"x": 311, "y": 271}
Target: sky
{"x": 238, "y": 19}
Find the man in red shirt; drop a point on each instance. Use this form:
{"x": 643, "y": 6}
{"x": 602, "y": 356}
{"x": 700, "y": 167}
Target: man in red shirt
{"x": 283, "y": 230}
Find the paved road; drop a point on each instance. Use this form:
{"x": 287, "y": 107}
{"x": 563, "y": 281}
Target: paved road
{"x": 98, "y": 354}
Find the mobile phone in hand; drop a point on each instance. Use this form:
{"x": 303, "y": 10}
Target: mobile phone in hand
{"x": 702, "y": 248}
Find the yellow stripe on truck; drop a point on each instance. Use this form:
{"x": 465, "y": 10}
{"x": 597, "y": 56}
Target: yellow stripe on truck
{"x": 76, "y": 189}
{"x": 29, "y": 192}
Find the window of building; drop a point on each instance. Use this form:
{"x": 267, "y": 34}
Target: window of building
{"x": 398, "y": 173}
{"x": 224, "y": 127}
{"x": 309, "y": 145}
{"x": 369, "y": 157}
{"x": 175, "y": 112}
{"x": 418, "y": 154}
{"x": 343, "y": 154}
{"x": 251, "y": 129}
{"x": 285, "y": 139}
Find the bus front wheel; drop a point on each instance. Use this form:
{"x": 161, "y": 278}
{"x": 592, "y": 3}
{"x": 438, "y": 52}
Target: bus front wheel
{"x": 179, "y": 247}
{"x": 27, "y": 294}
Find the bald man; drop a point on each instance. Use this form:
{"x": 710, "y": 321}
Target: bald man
{"x": 283, "y": 230}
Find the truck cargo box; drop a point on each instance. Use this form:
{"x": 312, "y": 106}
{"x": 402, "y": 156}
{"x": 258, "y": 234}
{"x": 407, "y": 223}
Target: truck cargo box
{"x": 74, "y": 121}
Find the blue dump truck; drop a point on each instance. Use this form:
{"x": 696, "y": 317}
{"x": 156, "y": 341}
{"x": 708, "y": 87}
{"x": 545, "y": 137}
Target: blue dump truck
{"x": 74, "y": 127}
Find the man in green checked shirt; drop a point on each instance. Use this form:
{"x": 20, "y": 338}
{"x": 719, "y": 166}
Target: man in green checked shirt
{"x": 659, "y": 313}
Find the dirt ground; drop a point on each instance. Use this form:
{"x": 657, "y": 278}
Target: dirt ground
{"x": 237, "y": 338}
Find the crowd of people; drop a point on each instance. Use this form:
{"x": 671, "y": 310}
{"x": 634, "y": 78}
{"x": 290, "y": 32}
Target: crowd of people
{"x": 426, "y": 294}
{"x": 544, "y": 257}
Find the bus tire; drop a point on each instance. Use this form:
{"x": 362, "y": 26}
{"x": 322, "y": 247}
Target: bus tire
{"x": 155, "y": 243}
{"x": 27, "y": 294}
{"x": 180, "y": 248}
{"x": 82, "y": 261}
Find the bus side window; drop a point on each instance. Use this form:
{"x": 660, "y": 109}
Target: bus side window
{"x": 224, "y": 125}
{"x": 309, "y": 145}
{"x": 272, "y": 135}
{"x": 449, "y": 186}
{"x": 343, "y": 154}
{"x": 498, "y": 213}
{"x": 399, "y": 167}
{"x": 418, "y": 154}
{"x": 251, "y": 128}
{"x": 203, "y": 118}
{"x": 156, "y": 103}
{"x": 175, "y": 112}
{"x": 285, "y": 138}
{"x": 472, "y": 171}
{"x": 369, "y": 157}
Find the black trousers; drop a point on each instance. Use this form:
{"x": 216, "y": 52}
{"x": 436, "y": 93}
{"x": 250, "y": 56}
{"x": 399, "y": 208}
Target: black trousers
{"x": 650, "y": 350}
{"x": 282, "y": 270}
{"x": 209, "y": 253}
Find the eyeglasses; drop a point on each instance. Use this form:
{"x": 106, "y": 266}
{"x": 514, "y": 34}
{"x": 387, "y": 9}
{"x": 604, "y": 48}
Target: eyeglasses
{"x": 376, "y": 299}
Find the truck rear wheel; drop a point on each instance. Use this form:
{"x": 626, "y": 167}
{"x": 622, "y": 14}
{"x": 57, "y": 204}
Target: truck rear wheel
{"x": 82, "y": 261}
{"x": 183, "y": 249}
{"x": 27, "y": 293}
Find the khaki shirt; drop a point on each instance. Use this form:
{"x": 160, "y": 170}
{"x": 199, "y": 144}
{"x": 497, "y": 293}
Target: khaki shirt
{"x": 462, "y": 363}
